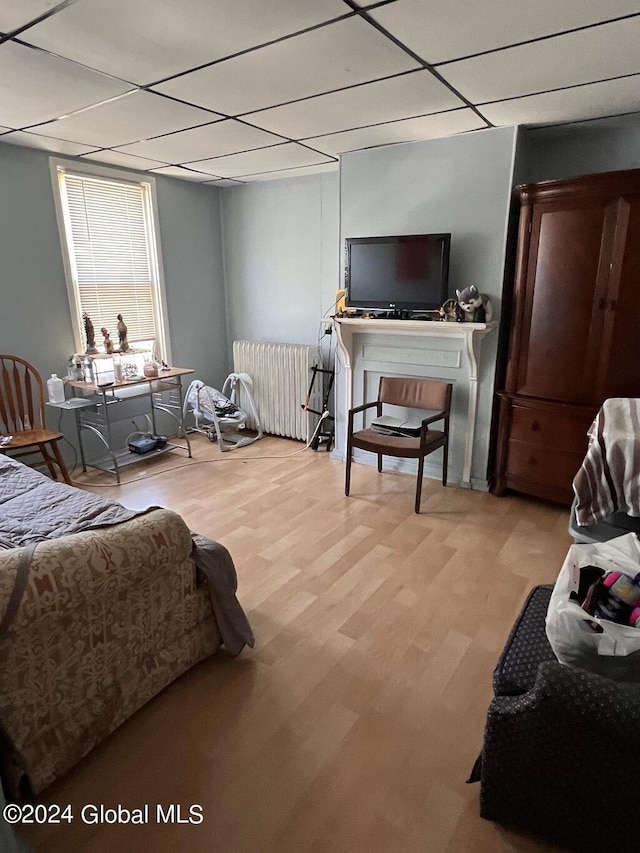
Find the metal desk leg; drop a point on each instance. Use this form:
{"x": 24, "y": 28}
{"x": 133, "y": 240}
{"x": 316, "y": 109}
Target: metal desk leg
{"x": 181, "y": 416}
{"x": 80, "y": 442}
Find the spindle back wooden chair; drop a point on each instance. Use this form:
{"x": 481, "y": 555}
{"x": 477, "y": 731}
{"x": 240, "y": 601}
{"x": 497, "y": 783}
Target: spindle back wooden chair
{"x": 22, "y": 416}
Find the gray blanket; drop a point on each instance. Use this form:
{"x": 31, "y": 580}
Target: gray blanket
{"x": 34, "y": 508}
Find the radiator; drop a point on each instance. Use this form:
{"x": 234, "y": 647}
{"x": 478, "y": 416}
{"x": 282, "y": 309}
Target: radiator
{"x": 281, "y": 375}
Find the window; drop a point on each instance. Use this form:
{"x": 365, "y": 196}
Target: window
{"x": 111, "y": 254}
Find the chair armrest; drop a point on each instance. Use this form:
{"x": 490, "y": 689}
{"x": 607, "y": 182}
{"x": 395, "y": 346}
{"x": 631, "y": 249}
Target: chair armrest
{"x": 364, "y": 406}
{"x": 352, "y": 412}
{"x": 435, "y": 416}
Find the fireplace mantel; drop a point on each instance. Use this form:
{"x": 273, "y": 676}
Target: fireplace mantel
{"x": 470, "y": 335}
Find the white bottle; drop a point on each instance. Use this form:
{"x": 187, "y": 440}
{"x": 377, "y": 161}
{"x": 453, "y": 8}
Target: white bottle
{"x": 117, "y": 368}
{"x": 55, "y": 389}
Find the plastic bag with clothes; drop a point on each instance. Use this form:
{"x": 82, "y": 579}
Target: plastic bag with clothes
{"x": 581, "y": 619}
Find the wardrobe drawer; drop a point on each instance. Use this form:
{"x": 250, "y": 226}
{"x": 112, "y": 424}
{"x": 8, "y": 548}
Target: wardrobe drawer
{"x": 559, "y": 430}
{"x": 543, "y": 465}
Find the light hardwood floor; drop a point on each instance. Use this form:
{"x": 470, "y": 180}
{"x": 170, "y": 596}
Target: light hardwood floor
{"x": 354, "y": 723}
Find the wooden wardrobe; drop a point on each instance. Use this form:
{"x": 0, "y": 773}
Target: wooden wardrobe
{"x": 575, "y": 332}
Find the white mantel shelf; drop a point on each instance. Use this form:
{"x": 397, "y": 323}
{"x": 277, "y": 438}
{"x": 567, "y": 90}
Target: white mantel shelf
{"x": 471, "y": 333}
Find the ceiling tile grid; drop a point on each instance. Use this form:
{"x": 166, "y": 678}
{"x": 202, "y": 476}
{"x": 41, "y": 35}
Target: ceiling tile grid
{"x": 184, "y": 173}
{"x": 146, "y": 40}
{"x": 580, "y": 103}
{"x": 36, "y": 86}
{"x": 217, "y": 139}
{"x": 283, "y": 156}
{"x": 404, "y": 96}
{"x": 440, "y": 30}
{"x": 407, "y": 130}
{"x": 332, "y": 57}
{"x": 224, "y": 92}
{"x": 47, "y": 143}
{"x": 127, "y": 161}
{"x": 584, "y": 56}
{"x": 130, "y": 118}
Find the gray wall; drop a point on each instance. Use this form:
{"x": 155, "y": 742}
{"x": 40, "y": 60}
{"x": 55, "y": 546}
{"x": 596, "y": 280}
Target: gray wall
{"x": 35, "y": 320}
{"x": 582, "y": 148}
{"x": 281, "y": 240}
{"x": 459, "y": 185}
{"x": 190, "y": 233}
{"x": 34, "y": 309}
{"x": 280, "y": 243}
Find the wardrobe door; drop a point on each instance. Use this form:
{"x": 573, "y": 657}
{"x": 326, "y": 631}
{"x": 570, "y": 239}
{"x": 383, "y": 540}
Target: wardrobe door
{"x": 561, "y": 312}
{"x": 619, "y": 368}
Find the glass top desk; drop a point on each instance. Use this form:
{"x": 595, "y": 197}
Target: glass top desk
{"x": 98, "y": 407}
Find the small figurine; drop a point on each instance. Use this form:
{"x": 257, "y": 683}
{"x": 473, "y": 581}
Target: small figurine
{"x": 108, "y": 343}
{"x": 122, "y": 334}
{"x": 451, "y": 312}
{"x": 90, "y": 333}
{"x": 476, "y": 306}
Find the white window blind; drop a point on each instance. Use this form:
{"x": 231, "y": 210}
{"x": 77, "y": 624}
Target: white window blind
{"x": 111, "y": 253}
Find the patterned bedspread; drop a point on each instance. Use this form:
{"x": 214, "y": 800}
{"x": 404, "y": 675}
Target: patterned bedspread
{"x": 34, "y": 508}
{"x": 101, "y": 608}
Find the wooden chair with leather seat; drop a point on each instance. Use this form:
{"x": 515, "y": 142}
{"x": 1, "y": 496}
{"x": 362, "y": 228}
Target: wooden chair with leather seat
{"x": 432, "y": 397}
{"x": 22, "y": 415}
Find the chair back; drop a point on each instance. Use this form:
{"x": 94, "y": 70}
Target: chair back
{"x": 21, "y": 395}
{"x": 415, "y": 392}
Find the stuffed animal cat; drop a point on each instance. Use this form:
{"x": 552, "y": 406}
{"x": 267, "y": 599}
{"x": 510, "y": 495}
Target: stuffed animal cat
{"x": 476, "y": 306}
{"x": 451, "y": 312}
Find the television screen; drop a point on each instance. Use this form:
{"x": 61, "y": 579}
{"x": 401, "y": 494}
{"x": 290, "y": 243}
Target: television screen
{"x": 405, "y": 273}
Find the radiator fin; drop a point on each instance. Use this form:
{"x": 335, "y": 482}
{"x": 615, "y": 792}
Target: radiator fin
{"x": 281, "y": 375}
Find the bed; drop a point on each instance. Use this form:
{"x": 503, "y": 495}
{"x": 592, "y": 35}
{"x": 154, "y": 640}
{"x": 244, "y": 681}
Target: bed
{"x": 101, "y": 607}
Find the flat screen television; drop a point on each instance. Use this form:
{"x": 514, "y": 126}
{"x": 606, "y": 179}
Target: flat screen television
{"x": 397, "y": 274}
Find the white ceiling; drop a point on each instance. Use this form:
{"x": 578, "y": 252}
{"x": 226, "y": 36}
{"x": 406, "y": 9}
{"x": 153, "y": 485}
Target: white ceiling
{"x": 231, "y": 91}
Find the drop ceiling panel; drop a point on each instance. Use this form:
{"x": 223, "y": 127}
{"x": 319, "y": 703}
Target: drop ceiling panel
{"x": 441, "y": 30}
{"x": 36, "y": 87}
{"x": 308, "y": 70}
{"x": 180, "y": 172}
{"x": 133, "y": 117}
{"x": 332, "y": 57}
{"x": 409, "y": 130}
{"x": 417, "y": 93}
{"x": 586, "y": 56}
{"x": 286, "y": 156}
{"x": 293, "y": 173}
{"x": 128, "y": 161}
{"x": 581, "y": 102}
{"x": 46, "y": 143}
{"x": 16, "y": 13}
{"x": 226, "y": 182}
{"x": 213, "y": 140}
{"x": 147, "y": 40}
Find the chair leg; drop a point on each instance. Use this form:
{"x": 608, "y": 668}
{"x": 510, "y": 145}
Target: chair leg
{"x": 61, "y": 463}
{"x": 419, "y": 483}
{"x": 49, "y": 461}
{"x": 445, "y": 460}
{"x": 379, "y": 463}
{"x": 347, "y": 476}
